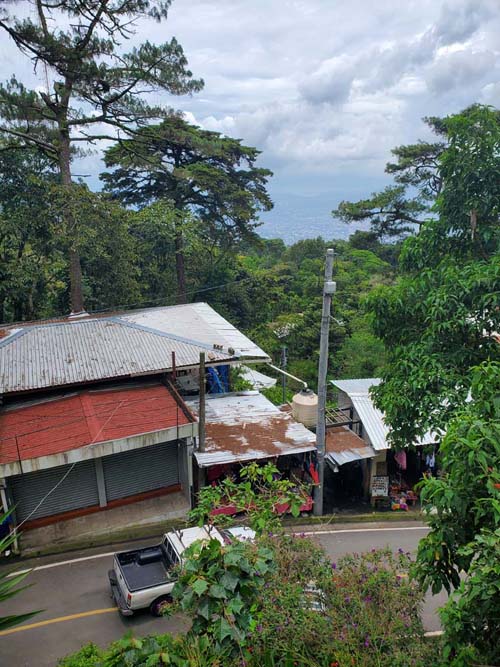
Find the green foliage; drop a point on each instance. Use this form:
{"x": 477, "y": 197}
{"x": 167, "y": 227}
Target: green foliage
{"x": 257, "y": 495}
{"x": 401, "y": 209}
{"x": 212, "y": 177}
{"x": 89, "y": 655}
{"x": 465, "y": 524}
{"x": 9, "y": 585}
{"x": 390, "y": 212}
{"x": 362, "y": 609}
{"x": 219, "y": 586}
{"x": 97, "y": 90}
{"x": 437, "y": 322}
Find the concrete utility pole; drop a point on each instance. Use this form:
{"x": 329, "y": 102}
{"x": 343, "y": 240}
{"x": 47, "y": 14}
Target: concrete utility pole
{"x": 328, "y": 291}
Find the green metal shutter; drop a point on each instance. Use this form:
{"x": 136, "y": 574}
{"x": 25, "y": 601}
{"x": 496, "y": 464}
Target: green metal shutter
{"x": 78, "y": 490}
{"x": 140, "y": 470}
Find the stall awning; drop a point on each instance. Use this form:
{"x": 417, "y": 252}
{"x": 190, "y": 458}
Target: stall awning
{"x": 344, "y": 446}
{"x": 245, "y": 427}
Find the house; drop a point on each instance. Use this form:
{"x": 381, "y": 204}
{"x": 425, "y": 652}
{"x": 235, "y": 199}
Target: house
{"x": 91, "y": 415}
{"x": 357, "y": 412}
{"x": 96, "y": 429}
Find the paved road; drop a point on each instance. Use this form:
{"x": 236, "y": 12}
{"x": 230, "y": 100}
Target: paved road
{"x": 79, "y": 589}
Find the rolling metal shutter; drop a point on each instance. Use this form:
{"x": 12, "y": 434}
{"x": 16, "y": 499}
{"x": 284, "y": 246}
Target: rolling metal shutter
{"x": 141, "y": 470}
{"x": 78, "y": 490}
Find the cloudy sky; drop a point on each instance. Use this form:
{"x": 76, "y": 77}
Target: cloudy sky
{"x": 325, "y": 88}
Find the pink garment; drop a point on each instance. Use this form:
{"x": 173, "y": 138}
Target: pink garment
{"x": 400, "y": 458}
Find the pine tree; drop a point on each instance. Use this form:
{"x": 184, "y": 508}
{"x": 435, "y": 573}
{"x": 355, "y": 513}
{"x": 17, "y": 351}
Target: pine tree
{"x": 98, "y": 91}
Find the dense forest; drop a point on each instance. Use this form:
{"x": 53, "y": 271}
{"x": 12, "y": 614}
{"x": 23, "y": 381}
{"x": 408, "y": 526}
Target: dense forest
{"x": 128, "y": 257}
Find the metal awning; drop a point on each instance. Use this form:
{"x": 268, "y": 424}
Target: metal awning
{"x": 350, "y": 455}
{"x": 345, "y": 446}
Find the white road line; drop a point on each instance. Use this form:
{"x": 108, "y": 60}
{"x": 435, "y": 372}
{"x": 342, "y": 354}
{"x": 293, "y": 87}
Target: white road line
{"x": 360, "y": 530}
{"x": 62, "y": 562}
{"x": 313, "y": 532}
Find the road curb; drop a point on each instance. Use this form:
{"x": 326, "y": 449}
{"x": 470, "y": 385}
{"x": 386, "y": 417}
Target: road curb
{"x": 156, "y": 530}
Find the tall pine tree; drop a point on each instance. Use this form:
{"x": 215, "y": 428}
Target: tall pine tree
{"x": 198, "y": 171}
{"x": 98, "y": 91}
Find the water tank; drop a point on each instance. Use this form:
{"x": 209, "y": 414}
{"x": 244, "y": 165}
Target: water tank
{"x": 305, "y": 407}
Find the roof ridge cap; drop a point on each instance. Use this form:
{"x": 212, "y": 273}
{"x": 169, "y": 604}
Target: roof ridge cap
{"x": 171, "y": 336}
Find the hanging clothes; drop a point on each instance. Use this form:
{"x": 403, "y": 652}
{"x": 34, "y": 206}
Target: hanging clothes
{"x": 430, "y": 460}
{"x": 314, "y": 473}
{"x": 400, "y": 458}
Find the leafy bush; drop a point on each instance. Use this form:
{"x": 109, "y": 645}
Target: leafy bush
{"x": 219, "y": 586}
{"x": 362, "y": 610}
{"x": 89, "y": 655}
{"x": 464, "y": 534}
{"x": 257, "y": 495}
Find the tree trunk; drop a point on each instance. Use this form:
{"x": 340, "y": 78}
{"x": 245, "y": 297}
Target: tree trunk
{"x": 180, "y": 269}
{"x": 75, "y": 268}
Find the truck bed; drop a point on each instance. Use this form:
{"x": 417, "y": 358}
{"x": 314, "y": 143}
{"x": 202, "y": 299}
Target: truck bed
{"x": 145, "y": 568}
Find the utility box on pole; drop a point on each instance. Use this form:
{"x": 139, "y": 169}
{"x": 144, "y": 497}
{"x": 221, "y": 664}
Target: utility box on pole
{"x": 328, "y": 292}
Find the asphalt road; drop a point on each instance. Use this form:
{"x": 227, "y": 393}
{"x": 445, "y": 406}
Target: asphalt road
{"x": 80, "y": 590}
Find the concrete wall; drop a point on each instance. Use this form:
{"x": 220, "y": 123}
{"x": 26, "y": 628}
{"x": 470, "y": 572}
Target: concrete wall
{"x": 118, "y": 521}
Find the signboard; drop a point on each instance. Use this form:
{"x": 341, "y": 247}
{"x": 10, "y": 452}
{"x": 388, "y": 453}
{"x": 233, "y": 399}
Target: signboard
{"x": 380, "y": 486}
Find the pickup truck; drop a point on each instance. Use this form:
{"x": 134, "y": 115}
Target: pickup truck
{"x": 144, "y": 578}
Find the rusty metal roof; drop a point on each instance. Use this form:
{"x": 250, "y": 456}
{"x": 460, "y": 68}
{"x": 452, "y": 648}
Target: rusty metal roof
{"x": 246, "y": 426}
{"x": 345, "y": 446}
{"x": 86, "y": 350}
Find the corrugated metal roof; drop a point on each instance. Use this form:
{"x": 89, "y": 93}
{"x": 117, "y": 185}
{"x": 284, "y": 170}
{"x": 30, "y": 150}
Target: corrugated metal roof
{"x": 345, "y": 446}
{"x": 199, "y": 321}
{"x": 371, "y": 417}
{"x": 257, "y": 380}
{"x": 86, "y": 418}
{"x": 357, "y": 386}
{"x": 86, "y": 350}
{"x": 243, "y": 427}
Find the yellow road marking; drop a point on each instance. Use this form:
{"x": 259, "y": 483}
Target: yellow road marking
{"x": 61, "y": 619}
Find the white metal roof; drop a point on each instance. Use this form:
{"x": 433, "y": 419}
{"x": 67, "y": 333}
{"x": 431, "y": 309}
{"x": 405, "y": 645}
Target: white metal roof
{"x": 246, "y": 426}
{"x": 50, "y": 354}
{"x": 200, "y": 322}
{"x": 371, "y": 417}
{"x": 357, "y": 386}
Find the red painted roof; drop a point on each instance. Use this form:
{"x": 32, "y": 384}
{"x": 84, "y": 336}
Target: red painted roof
{"x": 74, "y": 421}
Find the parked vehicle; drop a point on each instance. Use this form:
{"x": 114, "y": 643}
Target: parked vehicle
{"x": 144, "y": 578}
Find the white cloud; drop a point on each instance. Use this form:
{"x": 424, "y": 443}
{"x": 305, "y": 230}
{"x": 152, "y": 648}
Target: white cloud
{"x": 326, "y": 88}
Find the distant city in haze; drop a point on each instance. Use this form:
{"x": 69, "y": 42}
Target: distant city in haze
{"x": 296, "y": 217}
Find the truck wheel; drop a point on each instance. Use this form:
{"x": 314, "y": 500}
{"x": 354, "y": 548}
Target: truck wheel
{"x": 159, "y": 605}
